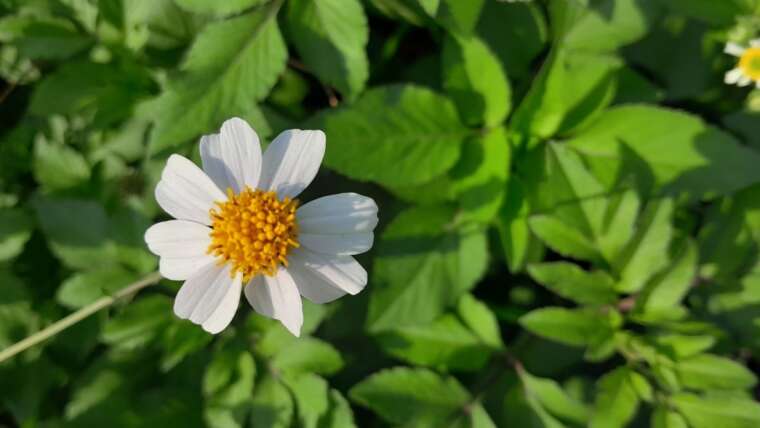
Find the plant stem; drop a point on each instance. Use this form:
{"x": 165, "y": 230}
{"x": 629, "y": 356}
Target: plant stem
{"x": 77, "y": 316}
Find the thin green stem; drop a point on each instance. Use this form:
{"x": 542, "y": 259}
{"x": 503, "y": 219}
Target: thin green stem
{"x": 77, "y": 316}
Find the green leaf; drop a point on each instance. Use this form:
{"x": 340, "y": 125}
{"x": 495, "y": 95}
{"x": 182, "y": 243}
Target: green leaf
{"x": 403, "y": 134}
{"x": 476, "y": 315}
{"x": 414, "y": 397}
{"x": 15, "y": 229}
{"x": 473, "y": 76}
{"x": 59, "y": 167}
{"x": 423, "y": 264}
{"x": 340, "y": 414}
{"x": 682, "y": 346}
{"x": 180, "y": 340}
{"x": 721, "y": 13}
{"x": 308, "y": 355}
{"x": 515, "y": 32}
{"x": 664, "y": 418}
{"x": 272, "y": 405}
{"x": 519, "y": 244}
{"x": 330, "y": 36}
{"x": 601, "y": 25}
{"x": 84, "y": 288}
{"x": 42, "y": 38}
{"x": 310, "y": 393}
{"x": 666, "y": 149}
{"x": 669, "y": 287}
{"x": 562, "y": 238}
{"x": 572, "y": 282}
{"x": 444, "y": 343}
{"x": 619, "y": 223}
{"x": 218, "y": 8}
{"x": 724, "y": 412}
{"x": 76, "y": 231}
{"x": 227, "y": 386}
{"x": 139, "y": 323}
{"x": 569, "y": 91}
{"x": 455, "y": 16}
{"x": 617, "y": 398}
{"x": 554, "y": 399}
{"x": 647, "y": 251}
{"x": 576, "y": 327}
{"x": 231, "y": 65}
{"x": 707, "y": 372}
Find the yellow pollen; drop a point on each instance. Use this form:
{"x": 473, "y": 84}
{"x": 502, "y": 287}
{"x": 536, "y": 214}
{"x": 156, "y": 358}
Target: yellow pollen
{"x": 749, "y": 63}
{"x": 254, "y": 231}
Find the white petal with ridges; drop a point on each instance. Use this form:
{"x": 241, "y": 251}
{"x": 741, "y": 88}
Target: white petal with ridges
{"x": 225, "y": 312}
{"x": 178, "y": 239}
{"x": 277, "y": 297}
{"x": 180, "y": 269}
{"x": 734, "y": 49}
{"x": 341, "y": 213}
{"x": 291, "y": 162}
{"x": 186, "y": 192}
{"x": 322, "y": 278}
{"x": 232, "y": 158}
{"x": 344, "y": 244}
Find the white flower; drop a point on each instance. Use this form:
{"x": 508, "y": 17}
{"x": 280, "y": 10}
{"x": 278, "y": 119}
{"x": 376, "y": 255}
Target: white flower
{"x": 747, "y": 70}
{"x": 237, "y": 229}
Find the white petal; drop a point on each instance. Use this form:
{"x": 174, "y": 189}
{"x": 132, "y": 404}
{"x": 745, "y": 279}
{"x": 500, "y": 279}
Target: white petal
{"x": 232, "y": 158}
{"x": 344, "y": 244}
{"x": 755, "y": 43}
{"x": 186, "y": 192}
{"x": 734, "y": 49}
{"x": 203, "y": 293}
{"x": 180, "y": 269}
{"x": 321, "y": 278}
{"x": 291, "y": 162}
{"x": 744, "y": 81}
{"x": 178, "y": 238}
{"x": 341, "y": 213}
{"x": 277, "y": 297}
{"x": 225, "y": 312}
{"x": 733, "y": 76}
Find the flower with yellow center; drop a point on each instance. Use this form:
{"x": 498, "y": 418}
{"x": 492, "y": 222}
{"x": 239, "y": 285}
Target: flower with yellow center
{"x": 747, "y": 70}
{"x": 238, "y": 229}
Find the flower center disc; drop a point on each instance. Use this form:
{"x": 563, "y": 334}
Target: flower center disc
{"x": 254, "y": 231}
{"x": 750, "y": 63}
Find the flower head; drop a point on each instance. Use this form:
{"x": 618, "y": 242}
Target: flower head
{"x": 747, "y": 70}
{"x": 239, "y": 229}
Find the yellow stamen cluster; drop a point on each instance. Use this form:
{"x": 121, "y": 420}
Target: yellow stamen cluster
{"x": 749, "y": 63}
{"x": 254, "y": 231}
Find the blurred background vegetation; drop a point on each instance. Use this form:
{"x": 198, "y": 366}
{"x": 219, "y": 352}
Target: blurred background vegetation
{"x": 569, "y": 200}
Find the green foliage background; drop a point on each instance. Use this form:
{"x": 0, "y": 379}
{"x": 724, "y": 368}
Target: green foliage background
{"x": 570, "y": 211}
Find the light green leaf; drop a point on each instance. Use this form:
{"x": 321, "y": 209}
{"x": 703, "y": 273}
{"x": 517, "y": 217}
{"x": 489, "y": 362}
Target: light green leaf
{"x": 711, "y": 412}
{"x": 519, "y": 244}
{"x": 403, "y": 134}
{"x": 682, "y": 346}
{"x": 554, "y": 399}
{"x": 669, "y": 287}
{"x": 709, "y": 372}
{"x": 272, "y": 405}
{"x": 42, "y": 38}
{"x": 414, "y": 397}
{"x": 308, "y": 355}
{"x": 576, "y": 327}
{"x": 331, "y": 36}
{"x": 473, "y": 76}
{"x": 15, "y": 229}
{"x": 562, "y": 238}
{"x": 310, "y": 392}
{"x": 444, "y": 343}
{"x": 569, "y": 91}
{"x": 666, "y": 149}
{"x": 59, "y": 167}
{"x": 219, "y": 8}
{"x": 231, "y": 65}
{"x": 571, "y": 282}
{"x": 139, "y": 323}
{"x": 617, "y": 399}
{"x": 84, "y": 288}
{"x": 340, "y": 414}
{"x": 456, "y": 16}
{"x": 601, "y": 25}
{"x": 619, "y": 223}
{"x": 227, "y": 386}
{"x": 647, "y": 251}
{"x": 476, "y": 315}
{"x": 664, "y": 418}
{"x": 423, "y": 264}
{"x": 180, "y": 340}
